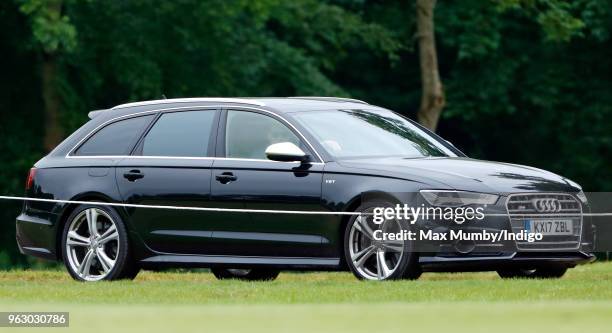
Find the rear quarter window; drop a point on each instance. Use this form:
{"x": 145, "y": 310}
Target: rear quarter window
{"x": 116, "y": 138}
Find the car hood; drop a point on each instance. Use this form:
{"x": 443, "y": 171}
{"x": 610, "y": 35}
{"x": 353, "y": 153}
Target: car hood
{"x": 464, "y": 174}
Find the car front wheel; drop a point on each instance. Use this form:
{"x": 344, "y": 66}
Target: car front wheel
{"x": 95, "y": 245}
{"x": 372, "y": 259}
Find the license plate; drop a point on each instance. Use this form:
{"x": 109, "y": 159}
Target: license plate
{"x": 549, "y": 227}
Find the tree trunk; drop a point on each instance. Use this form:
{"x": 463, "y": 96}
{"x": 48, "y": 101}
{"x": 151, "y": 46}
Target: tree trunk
{"x": 432, "y": 95}
{"x": 51, "y": 98}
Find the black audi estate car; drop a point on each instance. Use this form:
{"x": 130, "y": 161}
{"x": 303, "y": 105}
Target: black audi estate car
{"x": 288, "y": 177}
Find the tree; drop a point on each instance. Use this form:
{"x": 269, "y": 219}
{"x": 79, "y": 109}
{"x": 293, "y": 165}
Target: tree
{"x": 52, "y": 33}
{"x": 432, "y": 94}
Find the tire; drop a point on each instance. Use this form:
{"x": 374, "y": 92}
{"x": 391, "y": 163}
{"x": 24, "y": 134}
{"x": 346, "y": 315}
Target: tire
{"x": 516, "y": 273}
{"x": 550, "y": 272}
{"x": 399, "y": 255}
{"x": 546, "y": 272}
{"x": 251, "y": 274}
{"x": 105, "y": 256}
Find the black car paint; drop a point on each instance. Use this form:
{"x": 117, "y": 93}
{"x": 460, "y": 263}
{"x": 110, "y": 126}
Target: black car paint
{"x": 203, "y": 239}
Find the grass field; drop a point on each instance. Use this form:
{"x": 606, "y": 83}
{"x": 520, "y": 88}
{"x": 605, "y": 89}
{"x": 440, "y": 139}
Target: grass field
{"x": 334, "y": 302}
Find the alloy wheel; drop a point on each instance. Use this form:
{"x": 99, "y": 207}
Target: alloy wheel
{"x": 92, "y": 244}
{"x": 374, "y": 259}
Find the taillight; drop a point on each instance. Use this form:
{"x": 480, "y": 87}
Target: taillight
{"x": 30, "y": 179}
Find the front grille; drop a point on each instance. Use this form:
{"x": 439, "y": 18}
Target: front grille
{"x": 521, "y": 207}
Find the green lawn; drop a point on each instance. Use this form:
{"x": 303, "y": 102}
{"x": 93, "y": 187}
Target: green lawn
{"x": 159, "y": 302}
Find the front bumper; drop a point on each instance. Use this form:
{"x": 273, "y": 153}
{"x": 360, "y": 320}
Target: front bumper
{"x": 498, "y": 218}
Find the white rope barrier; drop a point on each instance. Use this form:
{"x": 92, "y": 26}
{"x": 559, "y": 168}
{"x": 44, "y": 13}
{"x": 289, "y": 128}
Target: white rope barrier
{"x": 202, "y": 209}
{"x": 260, "y": 211}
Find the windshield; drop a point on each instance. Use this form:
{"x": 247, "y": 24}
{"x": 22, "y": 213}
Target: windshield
{"x": 358, "y": 133}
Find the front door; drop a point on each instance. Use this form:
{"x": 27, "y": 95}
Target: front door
{"x": 243, "y": 176}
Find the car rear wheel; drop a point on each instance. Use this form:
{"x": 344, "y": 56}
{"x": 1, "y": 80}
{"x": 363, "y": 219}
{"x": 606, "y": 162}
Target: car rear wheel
{"x": 95, "y": 245}
{"x": 248, "y": 274}
{"x": 547, "y": 272}
{"x": 371, "y": 259}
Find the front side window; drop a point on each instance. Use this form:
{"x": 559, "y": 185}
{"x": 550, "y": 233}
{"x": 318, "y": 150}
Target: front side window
{"x": 363, "y": 133}
{"x": 185, "y": 133}
{"x": 117, "y": 138}
{"x": 248, "y": 134}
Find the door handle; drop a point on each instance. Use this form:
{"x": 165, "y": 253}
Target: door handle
{"x": 226, "y": 177}
{"x": 132, "y": 175}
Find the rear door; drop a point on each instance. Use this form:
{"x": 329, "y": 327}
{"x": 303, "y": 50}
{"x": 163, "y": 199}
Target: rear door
{"x": 244, "y": 177}
{"x": 171, "y": 165}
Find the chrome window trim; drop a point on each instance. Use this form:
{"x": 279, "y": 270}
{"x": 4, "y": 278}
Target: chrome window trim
{"x": 188, "y": 108}
{"x": 188, "y": 158}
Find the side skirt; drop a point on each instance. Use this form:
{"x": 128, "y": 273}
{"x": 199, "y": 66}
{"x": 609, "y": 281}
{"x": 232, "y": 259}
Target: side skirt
{"x": 204, "y": 261}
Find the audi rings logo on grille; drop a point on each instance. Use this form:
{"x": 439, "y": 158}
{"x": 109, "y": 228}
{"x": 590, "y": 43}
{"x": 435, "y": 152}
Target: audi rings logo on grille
{"x": 547, "y": 205}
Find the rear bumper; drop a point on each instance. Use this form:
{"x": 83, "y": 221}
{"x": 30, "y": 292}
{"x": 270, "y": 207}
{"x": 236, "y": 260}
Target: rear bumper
{"x": 36, "y": 236}
{"x": 510, "y": 260}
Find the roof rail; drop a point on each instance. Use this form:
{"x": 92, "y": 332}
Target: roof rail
{"x": 95, "y": 113}
{"x": 191, "y": 100}
{"x": 331, "y": 99}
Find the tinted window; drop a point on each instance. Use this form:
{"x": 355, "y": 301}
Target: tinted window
{"x": 117, "y": 138}
{"x": 180, "y": 134}
{"x": 248, "y": 134}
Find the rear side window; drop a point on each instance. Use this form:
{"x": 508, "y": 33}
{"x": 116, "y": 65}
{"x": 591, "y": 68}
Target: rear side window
{"x": 117, "y": 138}
{"x": 185, "y": 133}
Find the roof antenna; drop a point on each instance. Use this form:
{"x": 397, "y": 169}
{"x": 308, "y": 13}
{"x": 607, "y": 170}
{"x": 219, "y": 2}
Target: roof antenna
{"x": 164, "y": 96}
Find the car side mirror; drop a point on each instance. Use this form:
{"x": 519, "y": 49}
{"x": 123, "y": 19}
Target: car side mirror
{"x": 285, "y": 152}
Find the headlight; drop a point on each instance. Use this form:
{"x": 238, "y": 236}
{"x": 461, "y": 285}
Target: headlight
{"x": 573, "y": 183}
{"x": 582, "y": 197}
{"x": 457, "y": 198}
